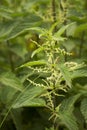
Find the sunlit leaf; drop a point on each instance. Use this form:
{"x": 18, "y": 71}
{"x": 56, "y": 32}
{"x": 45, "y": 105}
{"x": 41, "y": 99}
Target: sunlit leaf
{"x": 34, "y": 63}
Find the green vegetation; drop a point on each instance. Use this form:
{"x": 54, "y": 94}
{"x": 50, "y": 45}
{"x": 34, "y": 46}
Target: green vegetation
{"x": 43, "y": 65}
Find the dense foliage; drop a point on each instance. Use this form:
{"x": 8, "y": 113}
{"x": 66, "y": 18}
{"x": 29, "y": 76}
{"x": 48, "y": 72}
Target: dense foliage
{"x": 43, "y": 65}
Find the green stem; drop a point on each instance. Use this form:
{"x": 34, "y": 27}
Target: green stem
{"x": 85, "y": 4}
{"x": 55, "y": 29}
{"x": 54, "y": 13}
{"x": 64, "y": 10}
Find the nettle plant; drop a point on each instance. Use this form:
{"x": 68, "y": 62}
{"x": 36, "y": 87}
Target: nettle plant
{"x": 51, "y": 83}
{"x": 55, "y": 86}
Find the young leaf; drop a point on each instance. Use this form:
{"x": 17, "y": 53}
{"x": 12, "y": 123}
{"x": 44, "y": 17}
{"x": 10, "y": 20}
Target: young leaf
{"x": 34, "y": 63}
{"x": 37, "y": 51}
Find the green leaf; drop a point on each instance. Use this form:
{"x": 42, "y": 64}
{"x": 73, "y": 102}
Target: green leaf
{"x": 16, "y": 115}
{"x": 30, "y": 97}
{"x": 80, "y": 72}
{"x": 69, "y": 121}
{"x": 49, "y": 128}
{"x": 66, "y": 74}
{"x": 37, "y": 51}
{"x": 13, "y": 28}
{"x": 6, "y": 27}
{"x": 83, "y": 108}
{"x": 78, "y": 19}
{"x": 6, "y": 9}
{"x": 9, "y": 79}
{"x": 81, "y": 28}
{"x": 68, "y": 104}
{"x": 53, "y": 27}
{"x": 7, "y": 95}
{"x": 5, "y": 12}
{"x": 80, "y": 88}
{"x": 66, "y": 115}
{"x": 19, "y": 50}
{"x": 5, "y": 15}
{"x": 56, "y": 38}
{"x": 61, "y": 30}
{"x": 25, "y": 25}
{"x": 34, "y": 63}
{"x": 71, "y": 30}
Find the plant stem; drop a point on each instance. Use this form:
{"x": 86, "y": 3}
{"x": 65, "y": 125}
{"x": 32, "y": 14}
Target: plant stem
{"x": 55, "y": 29}
{"x": 85, "y": 4}
{"x": 64, "y": 10}
{"x": 54, "y": 13}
